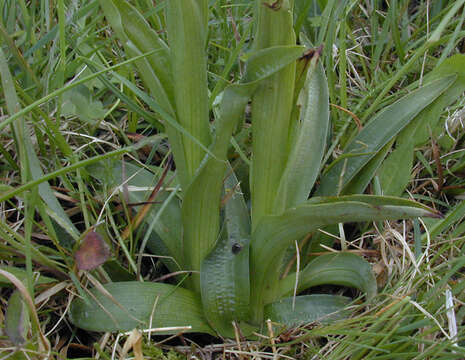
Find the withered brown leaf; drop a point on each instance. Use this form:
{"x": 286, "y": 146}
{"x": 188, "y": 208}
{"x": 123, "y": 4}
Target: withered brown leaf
{"x": 92, "y": 252}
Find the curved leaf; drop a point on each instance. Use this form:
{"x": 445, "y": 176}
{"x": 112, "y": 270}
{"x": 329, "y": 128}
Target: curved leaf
{"x": 128, "y": 305}
{"x": 307, "y": 309}
{"x": 263, "y": 63}
{"x": 340, "y": 268}
{"x": 307, "y": 149}
{"x": 144, "y": 38}
{"x": 378, "y": 132}
{"x": 139, "y": 38}
{"x": 225, "y": 283}
{"x": 275, "y": 233}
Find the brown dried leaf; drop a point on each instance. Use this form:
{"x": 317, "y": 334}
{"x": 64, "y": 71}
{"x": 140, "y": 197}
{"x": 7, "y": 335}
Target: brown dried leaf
{"x": 92, "y": 252}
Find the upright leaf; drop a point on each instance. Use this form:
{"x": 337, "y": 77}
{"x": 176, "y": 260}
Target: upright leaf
{"x": 17, "y": 322}
{"x": 308, "y": 146}
{"x": 187, "y": 35}
{"x": 225, "y": 280}
{"x": 139, "y": 38}
{"x": 271, "y": 109}
{"x": 201, "y": 228}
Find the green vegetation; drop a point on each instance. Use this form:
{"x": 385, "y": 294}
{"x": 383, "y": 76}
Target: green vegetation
{"x": 200, "y": 166}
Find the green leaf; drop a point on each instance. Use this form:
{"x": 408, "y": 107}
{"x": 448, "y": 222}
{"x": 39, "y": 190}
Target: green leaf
{"x": 395, "y": 172}
{"x": 117, "y": 272}
{"x": 272, "y": 106}
{"x": 142, "y": 37}
{"x": 456, "y": 214}
{"x": 343, "y": 268}
{"x": 360, "y": 182}
{"x": 187, "y": 35}
{"x": 224, "y": 277}
{"x": 139, "y": 38}
{"x": 274, "y": 234}
{"x": 79, "y": 102}
{"x": 128, "y": 305}
{"x": 201, "y": 203}
{"x": 263, "y": 63}
{"x": 378, "y": 132}
{"x": 21, "y": 274}
{"x": 308, "y": 146}
{"x": 201, "y": 228}
{"x": 307, "y": 309}
{"x": 17, "y": 322}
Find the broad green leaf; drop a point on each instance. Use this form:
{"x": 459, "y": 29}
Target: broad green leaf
{"x": 343, "y": 268}
{"x": 224, "y": 277}
{"x": 167, "y": 237}
{"x": 201, "y": 203}
{"x": 271, "y": 109}
{"x": 21, "y": 274}
{"x": 418, "y": 131}
{"x": 187, "y": 35}
{"x": 378, "y": 132}
{"x": 307, "y": 309}
{"x": 128, "y": 305}
{"x": 274, "y": 234}
{"x": 308, "y": 146}
{"x": 201, "y": 228}
{"x": 17, "y": 322}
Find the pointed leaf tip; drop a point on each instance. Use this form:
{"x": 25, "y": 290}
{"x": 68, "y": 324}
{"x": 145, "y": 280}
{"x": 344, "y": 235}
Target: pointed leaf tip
{"x": 435, "y": 214}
